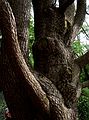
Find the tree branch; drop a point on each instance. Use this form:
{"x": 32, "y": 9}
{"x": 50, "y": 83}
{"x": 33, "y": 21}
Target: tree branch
{"x": 84, "y": 31}
{"x": 85, "y": 84}
{"x": 64, "y": 4}
{"x": 79, "y": 17}
{"x": 83, "y": 60}
{"x": 57, "y": 108}
{"x": 87, "y": 13}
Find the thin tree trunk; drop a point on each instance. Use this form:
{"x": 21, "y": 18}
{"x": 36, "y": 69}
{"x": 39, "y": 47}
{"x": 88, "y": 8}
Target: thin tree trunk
{"x": 21, "y": 10}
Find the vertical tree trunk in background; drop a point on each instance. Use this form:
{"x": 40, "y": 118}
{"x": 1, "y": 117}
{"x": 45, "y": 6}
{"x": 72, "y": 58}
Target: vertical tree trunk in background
{"x": 21, "y": 10}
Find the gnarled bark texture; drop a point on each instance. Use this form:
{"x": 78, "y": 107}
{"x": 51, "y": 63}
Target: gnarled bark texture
{"x": 52, "y": 49}
{"x": 53, "y": 57}
{"x": 50, "y": 92}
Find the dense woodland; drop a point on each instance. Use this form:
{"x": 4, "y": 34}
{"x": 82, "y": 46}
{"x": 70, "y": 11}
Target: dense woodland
{"x": 44, "y": 69}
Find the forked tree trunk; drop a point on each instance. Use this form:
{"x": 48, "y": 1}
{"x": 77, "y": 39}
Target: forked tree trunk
{"x": 52, "y": 52}
{"x": 53, "y": 58}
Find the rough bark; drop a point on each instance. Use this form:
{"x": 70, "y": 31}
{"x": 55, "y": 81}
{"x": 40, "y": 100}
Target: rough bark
{"x": 19, "y": 85}
{"x": 83, "y": 60}
{"x": 21, "y": 10}
{"x": 32, "y": 86}
{"x": 53, "y": 56}
{"x": 79, "y": 17}
{"x": 53, "y": 95}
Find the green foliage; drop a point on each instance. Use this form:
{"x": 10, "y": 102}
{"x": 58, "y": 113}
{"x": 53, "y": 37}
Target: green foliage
{"x": 79, "y": 48}
{"x": 83, "y": 105}
{"x": 85, "y": 92}
{"x": 2, "y": 106}
{"x": 31, "y": 41}
{"x": 83, "y": 76}
{"x": 31, "y": 33}
{"x": 87, "y": 67}
{"x": 83, "y": 102}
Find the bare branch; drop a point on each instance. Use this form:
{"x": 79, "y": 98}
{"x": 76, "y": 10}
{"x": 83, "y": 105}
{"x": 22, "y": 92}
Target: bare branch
{"x": 79, "y": 17}
{"x": 64, "y": 4}
{"x": 85, "y": 84}
{"x": 83, "y": 60}
{"x": 85, "y": 32}
{"x": 87, "y": 13}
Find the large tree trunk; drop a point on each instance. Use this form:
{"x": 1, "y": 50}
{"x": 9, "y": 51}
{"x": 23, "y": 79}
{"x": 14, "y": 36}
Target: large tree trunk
{"x": 53, "y": 58}
{"x": 52, "y": 51}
